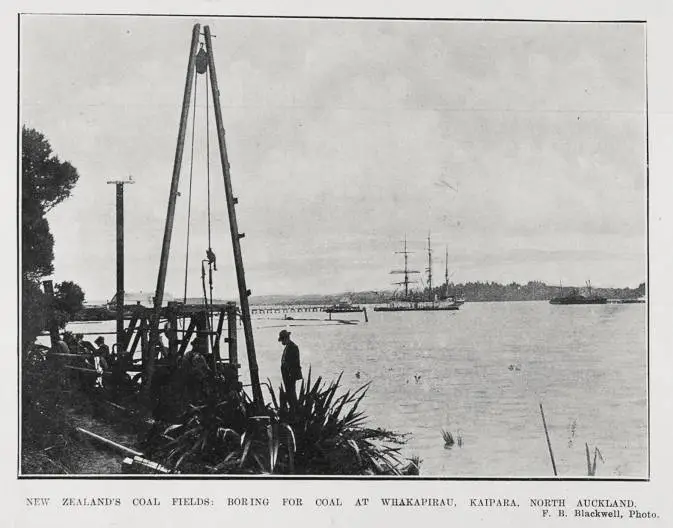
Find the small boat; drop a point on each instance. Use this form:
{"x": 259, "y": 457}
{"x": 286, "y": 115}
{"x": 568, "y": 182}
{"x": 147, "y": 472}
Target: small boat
{"x": 342, "y": 307}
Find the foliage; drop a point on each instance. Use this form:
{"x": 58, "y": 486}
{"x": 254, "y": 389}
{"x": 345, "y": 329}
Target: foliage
{"x": 43, "y": 419}
{"x": 37, "y": 246}
{"x": 33, "y": 315}
{"x": 322, "y": 435}
{"x": 532, "y": 291}
{"x": 471, "y": 291}
{"x": 68, "y": 299}
{"x": 330, "y": 434}
{"x": 45, "y": 182}
{"x": 448, "y": 438}
{"x": 38, "y": 309}
{"x": 199, "y": 435}
{"x": 450, "y": 441}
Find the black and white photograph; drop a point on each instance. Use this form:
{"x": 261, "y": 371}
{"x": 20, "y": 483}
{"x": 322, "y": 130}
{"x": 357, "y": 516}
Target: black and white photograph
{"x": 392, "y": 248}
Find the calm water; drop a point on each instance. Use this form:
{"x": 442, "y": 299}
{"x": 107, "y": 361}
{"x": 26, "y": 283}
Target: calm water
{"x": 481, "y": 373}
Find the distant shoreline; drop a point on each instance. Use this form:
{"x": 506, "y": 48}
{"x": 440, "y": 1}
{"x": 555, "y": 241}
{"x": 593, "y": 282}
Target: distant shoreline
{"x": 471, "y": 292}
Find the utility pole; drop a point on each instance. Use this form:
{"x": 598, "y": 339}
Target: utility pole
{"x": 121, "y": 341}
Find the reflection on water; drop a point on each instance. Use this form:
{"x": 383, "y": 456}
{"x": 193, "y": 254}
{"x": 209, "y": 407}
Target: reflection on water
{"x": 481, "y": 373}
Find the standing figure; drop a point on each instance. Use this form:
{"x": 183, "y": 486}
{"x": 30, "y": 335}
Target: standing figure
{"x": 290, "y": 367}
{"x": 61, "y": 346}
{"x": 100, "y": 365}
{"x": 103, "y": 349}
{"x": 194, "y": 369}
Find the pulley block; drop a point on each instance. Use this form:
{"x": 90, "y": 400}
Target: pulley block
{"x": 201, "y": 61}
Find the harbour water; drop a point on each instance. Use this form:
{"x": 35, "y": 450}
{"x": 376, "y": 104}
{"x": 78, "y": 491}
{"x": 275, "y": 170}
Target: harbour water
{"x": 481, "y": 373}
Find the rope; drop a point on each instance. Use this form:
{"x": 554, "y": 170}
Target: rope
{"x": 207, "y": 304}
{"x": 208, "y": 155}
{"x": 189, "y": 206}
{"x": 210, "y": 264}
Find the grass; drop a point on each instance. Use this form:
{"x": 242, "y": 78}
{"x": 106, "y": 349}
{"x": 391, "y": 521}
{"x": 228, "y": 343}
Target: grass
{"x": 591, "y": 466}
{"x": 448, "y": 439}
{"x": 54, "y": 401}
{"x": 221, "y": 432}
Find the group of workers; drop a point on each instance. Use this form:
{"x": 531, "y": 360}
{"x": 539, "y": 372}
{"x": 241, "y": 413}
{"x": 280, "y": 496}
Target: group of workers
{"x": 193, "y": 365}
{"x": 97, "y": 355}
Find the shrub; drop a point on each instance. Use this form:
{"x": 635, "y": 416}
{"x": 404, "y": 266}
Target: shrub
{"x": 324, "y": 434}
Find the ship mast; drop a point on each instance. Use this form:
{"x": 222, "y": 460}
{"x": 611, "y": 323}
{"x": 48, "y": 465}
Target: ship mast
{"x": 406, "y": 271}
{"x": 446, "y": 272}
{"x": 429, "y": 270}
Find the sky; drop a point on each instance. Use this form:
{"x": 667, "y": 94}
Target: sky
{"x": 518, "y": 146}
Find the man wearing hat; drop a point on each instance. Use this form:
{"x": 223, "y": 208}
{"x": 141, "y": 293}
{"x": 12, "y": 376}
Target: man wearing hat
{"x": 290, "y": 366}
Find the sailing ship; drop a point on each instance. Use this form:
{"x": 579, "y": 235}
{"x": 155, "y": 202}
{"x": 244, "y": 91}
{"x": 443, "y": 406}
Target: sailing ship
{"x": 414, "y": 301}
{"x": 574, "y": 297}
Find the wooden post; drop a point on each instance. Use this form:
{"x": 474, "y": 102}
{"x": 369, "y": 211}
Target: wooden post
{"x": 231, "y": 335}
{"x": 218, "y": 336}
{"x": 233, "y": 228}
{"x": 170, "y": 214}
{"x": 184, "y": 342}
{"x": 53, "y": 325}
{"x": 546, "y": 432}
{"x": 136, "y": 339}
{"x": 145, "y": 348}
{"x": 173, "y": 337}
{"x": 128, "y": 333}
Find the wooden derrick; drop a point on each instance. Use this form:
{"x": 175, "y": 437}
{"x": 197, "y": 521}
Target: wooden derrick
{"x": 202, "y": 62}
{"x": 174, "y": 341}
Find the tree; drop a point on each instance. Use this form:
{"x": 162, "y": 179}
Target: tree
{"x": 45, "y": 178}
{"x": 37, "y": 248}
{"x": 45, "y": 182}
{"x": 68, "y": 299}
{"x": 34, "y": 312}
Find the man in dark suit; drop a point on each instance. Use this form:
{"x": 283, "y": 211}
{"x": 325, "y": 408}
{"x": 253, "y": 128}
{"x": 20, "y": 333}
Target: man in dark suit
{"x": 290, "y": 367}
